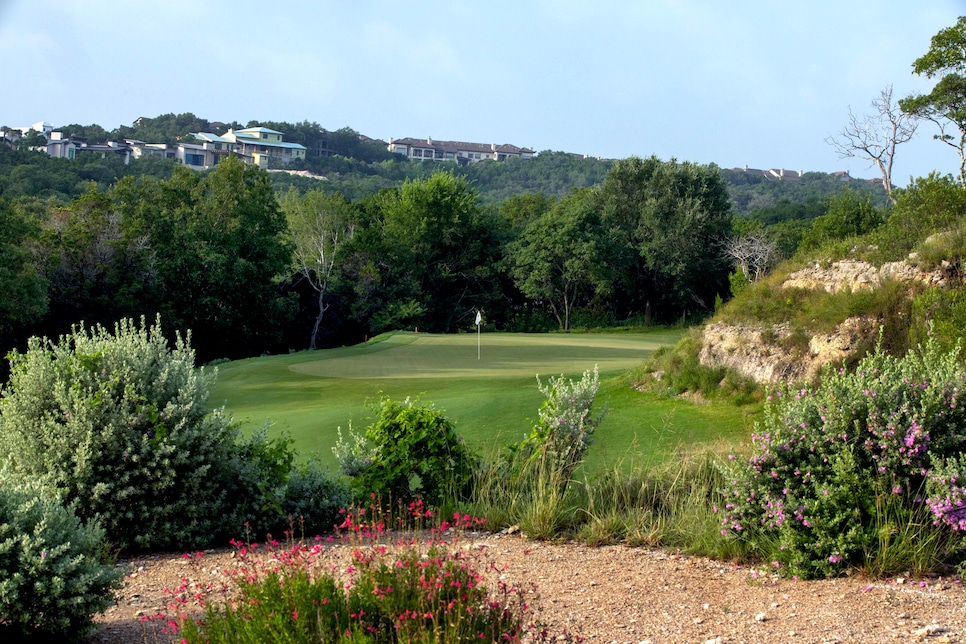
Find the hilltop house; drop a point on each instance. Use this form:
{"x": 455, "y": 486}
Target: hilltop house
{"x": 429, "y": 150}
{"x": 258, "y": 145}
{"x": 772, "y": 173}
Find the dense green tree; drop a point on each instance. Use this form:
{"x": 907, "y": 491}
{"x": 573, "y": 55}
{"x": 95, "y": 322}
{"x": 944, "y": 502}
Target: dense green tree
{"x": 850, "y": 214}
{"x": 97, "y": 272}
{"x": 347, "y": 142}
{"x": 166, "y": 128}
{"x": 945, "y": 105}
{"x": 29, "y": 174}
{"x": 92, "y": 133}
{"x": 522, "y": 209}
{"x": 665, "y": 222}
{"x": 559, "y": 258}
{"x": 32, "y": 141}
{"x": 23, "y": 289}
{"x": 427, "y": 258}
{"x": 219, "y": 245}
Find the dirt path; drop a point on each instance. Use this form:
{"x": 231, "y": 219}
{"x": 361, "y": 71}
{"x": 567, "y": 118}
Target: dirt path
{"x": 619, "y": 594}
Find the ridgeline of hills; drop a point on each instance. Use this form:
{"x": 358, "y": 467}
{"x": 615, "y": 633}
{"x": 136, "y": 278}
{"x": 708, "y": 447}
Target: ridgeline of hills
{"x": 357, "y": 166}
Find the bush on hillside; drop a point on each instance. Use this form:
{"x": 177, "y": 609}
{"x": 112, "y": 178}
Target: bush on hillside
{"x": 939, "y": 313}
{"x": 929, "y": 204}
{"x": 840, "y": 472}
{"x": 55, "y": 574}
{"x": 119, "y": 422}
{"x": 850, "y": 214}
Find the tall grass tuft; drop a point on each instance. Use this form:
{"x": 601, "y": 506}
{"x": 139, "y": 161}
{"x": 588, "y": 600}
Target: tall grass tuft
{"x": 670, "y": 505}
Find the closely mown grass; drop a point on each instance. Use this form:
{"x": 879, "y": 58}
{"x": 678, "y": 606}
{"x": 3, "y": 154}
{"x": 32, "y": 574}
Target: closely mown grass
{"x": 311, "y": 394}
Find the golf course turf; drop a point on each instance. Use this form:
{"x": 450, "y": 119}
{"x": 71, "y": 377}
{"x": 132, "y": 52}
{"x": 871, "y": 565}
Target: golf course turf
{"x": 491, "y": 400}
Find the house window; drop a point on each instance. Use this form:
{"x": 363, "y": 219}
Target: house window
{"x": 417, "y": 153}
{"x": 194, "y": 159}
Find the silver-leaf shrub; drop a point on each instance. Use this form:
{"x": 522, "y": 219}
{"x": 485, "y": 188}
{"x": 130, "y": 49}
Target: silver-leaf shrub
{"x": 119, "y": 423}
{"x": 55, "y": 574}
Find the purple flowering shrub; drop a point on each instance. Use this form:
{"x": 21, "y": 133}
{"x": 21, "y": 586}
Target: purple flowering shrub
{"x": 838, "y": 466}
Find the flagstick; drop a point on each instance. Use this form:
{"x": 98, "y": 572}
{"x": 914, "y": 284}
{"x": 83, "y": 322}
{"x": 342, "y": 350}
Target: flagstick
{"x": 478, "y": 341}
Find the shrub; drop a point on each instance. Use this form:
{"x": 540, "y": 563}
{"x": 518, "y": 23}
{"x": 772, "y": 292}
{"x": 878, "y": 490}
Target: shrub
{"x": 839, "y": 472}
{"x": 850, "y": 214}
{"x": 55, "y": 574}
{"x": 558, "y": 442}
{"x": 415, "y": 453}
{"x": 313, "y": 498}
{"x": 929, "y": 204}
{"x": 407, "y": 591}
{"x": 940, "y": 313}
{"x": 119, "y": 423}
{"x": 529, "y": 484}
{"x": 254, "y": 480}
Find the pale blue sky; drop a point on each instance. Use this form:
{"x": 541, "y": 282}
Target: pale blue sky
{"x": 734, "y": 83}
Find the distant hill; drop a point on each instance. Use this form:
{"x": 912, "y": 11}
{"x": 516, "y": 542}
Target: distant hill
{"x": 346, "y": 161}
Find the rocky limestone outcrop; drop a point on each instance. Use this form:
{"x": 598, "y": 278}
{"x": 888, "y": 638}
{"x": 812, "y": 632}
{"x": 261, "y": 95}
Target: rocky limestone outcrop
{"x": 762, "y": 353}
{"x": 858, "y": 276}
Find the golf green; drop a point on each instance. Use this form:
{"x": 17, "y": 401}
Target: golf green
{"x": 485, "y": 384}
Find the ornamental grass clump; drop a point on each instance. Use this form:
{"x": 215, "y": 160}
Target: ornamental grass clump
{"x": 56, "y": 572}
{"x": 864, "y": 470}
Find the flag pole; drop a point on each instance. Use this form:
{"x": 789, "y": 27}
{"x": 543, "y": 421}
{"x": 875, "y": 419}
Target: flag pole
{"x": 479, "y": 322}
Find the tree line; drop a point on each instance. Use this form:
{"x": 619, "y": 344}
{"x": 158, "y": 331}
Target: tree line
{"x": 249, "y": 270}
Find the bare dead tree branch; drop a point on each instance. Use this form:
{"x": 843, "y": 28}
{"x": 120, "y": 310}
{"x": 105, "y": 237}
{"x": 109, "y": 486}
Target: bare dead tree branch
{"x": 754, "y": 253}
{"x": 874, "y": 137}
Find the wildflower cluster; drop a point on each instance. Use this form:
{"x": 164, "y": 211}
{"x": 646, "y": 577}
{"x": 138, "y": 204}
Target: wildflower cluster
{"x": 830, "y": 460}
{"x": 416, "y": 589}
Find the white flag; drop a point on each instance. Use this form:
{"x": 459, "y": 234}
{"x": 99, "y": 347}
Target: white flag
{"x": 479, "y": 318}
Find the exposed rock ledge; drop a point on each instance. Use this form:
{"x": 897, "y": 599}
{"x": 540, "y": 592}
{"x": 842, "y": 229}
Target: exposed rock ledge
{"x": 862, "y": 276}
{"x": 742, "y": 349}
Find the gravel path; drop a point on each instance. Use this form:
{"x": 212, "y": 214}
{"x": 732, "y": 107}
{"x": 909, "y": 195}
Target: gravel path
{"x": 620, "y": 594}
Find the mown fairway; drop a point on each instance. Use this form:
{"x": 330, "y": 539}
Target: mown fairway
{"x": 492, "y": 400}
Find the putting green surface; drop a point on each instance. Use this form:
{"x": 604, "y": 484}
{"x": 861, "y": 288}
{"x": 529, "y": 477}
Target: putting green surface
{"x": 498, "y": 355}
{"x": 491, "y": 400}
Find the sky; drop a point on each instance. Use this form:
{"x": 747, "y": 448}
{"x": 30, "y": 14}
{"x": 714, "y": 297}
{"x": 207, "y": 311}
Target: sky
{"x": 733, "y": 83}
